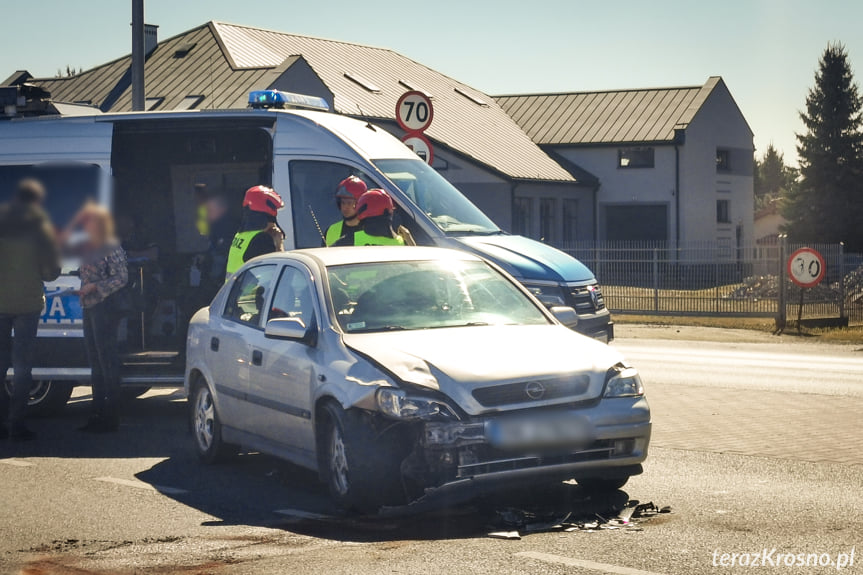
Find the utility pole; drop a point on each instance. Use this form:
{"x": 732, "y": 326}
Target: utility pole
{"x": 137, "y": 55}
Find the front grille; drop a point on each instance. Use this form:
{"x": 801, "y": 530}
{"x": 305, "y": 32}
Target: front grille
{"x": 536, "y": 390}
{"x": 586, "y": 299}
{"x": 599, "y": 450}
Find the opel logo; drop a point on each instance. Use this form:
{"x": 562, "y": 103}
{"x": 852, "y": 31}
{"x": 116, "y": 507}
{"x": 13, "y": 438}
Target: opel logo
{"x": 534, "y": 390}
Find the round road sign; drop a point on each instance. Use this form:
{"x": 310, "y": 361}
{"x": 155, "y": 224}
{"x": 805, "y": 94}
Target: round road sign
{"x": 414, "y": 111}
{"x": 806, "y": 267}
{"x": 420, "y": 146}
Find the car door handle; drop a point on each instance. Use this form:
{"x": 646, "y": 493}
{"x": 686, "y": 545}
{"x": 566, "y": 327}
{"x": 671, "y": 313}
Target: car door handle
{"x": 214, "y": 344}
{"x": 257, "y": 357}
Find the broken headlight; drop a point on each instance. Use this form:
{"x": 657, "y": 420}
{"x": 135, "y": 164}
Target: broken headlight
{"x": 397, "y": 404}
{"x": 625, "y": 382}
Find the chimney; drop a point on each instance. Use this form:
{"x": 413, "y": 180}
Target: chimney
{"x": 137, "y": 55}
{"x": 151, "y": 38}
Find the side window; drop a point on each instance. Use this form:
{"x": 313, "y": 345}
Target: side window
{"x": 247, "y": 297}
{"x": 294, "y": 297}
{"x": 313, "y": 204}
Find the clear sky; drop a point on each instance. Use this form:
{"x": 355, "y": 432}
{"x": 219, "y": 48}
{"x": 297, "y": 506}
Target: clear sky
{"x": 767, "y": 50}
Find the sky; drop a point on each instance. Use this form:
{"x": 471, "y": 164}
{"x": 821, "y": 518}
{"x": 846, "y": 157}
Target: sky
{"x": 766, "y": 50}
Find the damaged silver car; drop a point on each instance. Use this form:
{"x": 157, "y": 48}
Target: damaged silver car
{"x": 407, "y": 373}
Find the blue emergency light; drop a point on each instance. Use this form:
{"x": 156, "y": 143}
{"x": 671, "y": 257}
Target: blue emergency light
{"x": 279, "y": 100}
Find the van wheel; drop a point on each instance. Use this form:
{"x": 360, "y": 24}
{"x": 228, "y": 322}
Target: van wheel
{"x": 47, "y": 397}
{"x": 602, "y": 485}
{"x": 361, "y": 467}
{"x": 207, "y": 428}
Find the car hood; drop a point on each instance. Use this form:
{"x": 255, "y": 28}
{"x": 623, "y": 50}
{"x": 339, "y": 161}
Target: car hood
{"x": 458, "y": 361}
{"x": 528, "y": 259}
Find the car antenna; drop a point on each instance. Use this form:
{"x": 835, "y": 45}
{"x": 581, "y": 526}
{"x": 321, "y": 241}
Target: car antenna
{"x": 317, "y": 225}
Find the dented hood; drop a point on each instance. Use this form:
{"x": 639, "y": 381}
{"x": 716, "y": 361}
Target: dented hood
{"x": 458, "y": 360}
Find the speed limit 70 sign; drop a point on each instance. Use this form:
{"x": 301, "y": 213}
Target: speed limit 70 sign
{"x": 806, "y": 267}
{"x": 414, "y": 111}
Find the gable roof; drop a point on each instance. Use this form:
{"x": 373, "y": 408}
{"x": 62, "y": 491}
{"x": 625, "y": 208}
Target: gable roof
{"x": 615, "y": 116}
{"x": 227, "y": 61}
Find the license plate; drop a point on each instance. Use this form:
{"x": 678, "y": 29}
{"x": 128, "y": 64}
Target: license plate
{"x": 540, "y": 432}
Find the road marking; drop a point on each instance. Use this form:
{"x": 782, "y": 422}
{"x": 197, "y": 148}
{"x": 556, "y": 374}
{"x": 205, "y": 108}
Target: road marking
{"x": 16, "y": 462}
{"x": 583, "y": 563}
{"x": 141, "y": 485}
{"x": 300, "y": 514}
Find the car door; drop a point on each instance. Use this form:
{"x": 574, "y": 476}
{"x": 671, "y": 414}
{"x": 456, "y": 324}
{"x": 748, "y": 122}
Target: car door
{"x": 229, "y": 345}
{"x": 282, "y": 376}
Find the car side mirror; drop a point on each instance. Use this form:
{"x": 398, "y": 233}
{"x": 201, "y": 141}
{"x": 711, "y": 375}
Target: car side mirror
{"x": 289, "y": 328}
{"x": 565, "y": 315}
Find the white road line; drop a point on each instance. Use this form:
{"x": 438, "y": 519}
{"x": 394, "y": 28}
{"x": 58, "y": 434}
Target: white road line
{"x": 300, "y": 514}
{"x": 583, "y": 563}
{"x": 141, "y": 485}
{"x": 16, "y": 462}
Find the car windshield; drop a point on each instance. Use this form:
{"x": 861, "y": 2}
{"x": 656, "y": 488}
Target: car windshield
{"x": 390, "y": 296}
{"x": 444, "y": 204}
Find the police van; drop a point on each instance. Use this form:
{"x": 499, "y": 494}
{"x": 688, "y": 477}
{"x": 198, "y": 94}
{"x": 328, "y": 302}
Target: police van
{"x": 145, "y": 166}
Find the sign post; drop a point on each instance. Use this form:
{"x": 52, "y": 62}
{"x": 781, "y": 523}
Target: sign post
{"x": 414, "y": 114}
{"x": 806, "y": 268}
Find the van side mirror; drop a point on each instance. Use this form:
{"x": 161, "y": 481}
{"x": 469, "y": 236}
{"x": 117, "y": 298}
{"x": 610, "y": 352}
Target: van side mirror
{"x": 289, "y": 328}
{"x": 565, "y": 315}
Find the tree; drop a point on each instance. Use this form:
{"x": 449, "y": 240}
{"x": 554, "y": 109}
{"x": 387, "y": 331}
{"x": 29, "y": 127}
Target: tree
{"x": 827, "y": 204}
{"x": 774, "y": 179}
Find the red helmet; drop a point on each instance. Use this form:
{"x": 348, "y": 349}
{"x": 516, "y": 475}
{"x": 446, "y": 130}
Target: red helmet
{"x": 351, "y": 187}
{"x": 374, "y": 203}
{"x": 263, "y": 199}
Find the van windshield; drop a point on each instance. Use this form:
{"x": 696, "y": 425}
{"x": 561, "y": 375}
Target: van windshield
{"x": 453, "y": 213}
{"x": 67, "y": 187}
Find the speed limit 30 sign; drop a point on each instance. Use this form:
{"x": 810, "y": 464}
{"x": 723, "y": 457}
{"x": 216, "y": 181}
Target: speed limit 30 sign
{"x": 806, "y": 267}
{"x": 414, "y": 111}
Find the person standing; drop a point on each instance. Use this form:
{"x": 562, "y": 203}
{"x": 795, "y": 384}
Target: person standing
{"x": 28, "y": 257}
{"x": 375, "y": 210}
{"x": 259, "y": 233}
{"x": 347, "y": 194}
{"x": 103, "y": 273}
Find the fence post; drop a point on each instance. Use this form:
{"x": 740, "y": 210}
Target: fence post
{"x": 781, "y": 316}
{"x": 656, "y": 279}
{"x": 842, "y": 311}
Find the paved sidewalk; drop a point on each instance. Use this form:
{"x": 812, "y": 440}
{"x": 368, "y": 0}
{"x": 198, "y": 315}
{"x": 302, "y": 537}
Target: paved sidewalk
{"x": 806, "y": 427}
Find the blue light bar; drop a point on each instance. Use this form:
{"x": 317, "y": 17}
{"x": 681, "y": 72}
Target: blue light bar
{"x": 278, "y": 99}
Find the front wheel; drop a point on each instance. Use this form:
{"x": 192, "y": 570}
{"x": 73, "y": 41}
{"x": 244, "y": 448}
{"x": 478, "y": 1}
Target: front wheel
{"x": 47, "y": 397}
{"x": 361, "y": 465}
{"x": 207, "y": 428}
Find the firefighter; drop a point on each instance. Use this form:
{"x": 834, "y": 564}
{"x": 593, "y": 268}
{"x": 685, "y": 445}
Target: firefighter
{"x": 259, "y": 233}
{"x": 347, "y": 194}
{"x": 375, "y": 211}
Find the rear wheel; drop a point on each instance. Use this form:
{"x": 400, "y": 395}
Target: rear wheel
{"x": 207, "y": 428}
{"x": 361, "y": 465}
{"x": 47, "y": 397}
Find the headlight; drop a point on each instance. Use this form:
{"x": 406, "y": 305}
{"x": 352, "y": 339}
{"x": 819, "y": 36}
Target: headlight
{"x": 549, "y": 295}
{"x": 625, "y": 383}
{"x": 397, "y": 404}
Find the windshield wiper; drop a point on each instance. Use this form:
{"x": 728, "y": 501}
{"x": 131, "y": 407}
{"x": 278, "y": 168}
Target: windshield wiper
{"x": 382, "y": 328}
{"x": 473, "y": 232}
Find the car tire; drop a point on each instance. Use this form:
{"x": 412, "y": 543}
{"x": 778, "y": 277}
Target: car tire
{"x": 361, "y": 465}
{"x": 206, "y": 426}
{"x": 130, "y": 392}
{"x": 47, "y": 396}
{"x": 602, "y": 484}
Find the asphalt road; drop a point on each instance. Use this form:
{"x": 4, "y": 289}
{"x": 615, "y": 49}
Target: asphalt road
{"x": 754, "y": 447}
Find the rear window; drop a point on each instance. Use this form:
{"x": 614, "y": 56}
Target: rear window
{"x": 67, "y": 186}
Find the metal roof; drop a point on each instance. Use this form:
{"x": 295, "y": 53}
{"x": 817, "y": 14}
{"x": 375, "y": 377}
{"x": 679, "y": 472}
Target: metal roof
{"x": 224, "y": 62}
{"x": 616, "y": 116}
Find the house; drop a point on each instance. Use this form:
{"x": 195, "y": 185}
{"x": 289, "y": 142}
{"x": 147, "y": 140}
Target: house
{"x": 674, "y": 165}
{"x": 477, "y": 146}
{"x": 768, "y": 224}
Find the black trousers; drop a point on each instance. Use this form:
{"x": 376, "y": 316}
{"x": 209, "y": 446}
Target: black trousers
{"x": 100, "y": 335}
{"x": 17, "y": 353}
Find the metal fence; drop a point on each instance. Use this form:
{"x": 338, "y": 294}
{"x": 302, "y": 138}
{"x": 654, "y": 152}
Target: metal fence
{"x": 720, "y": 279}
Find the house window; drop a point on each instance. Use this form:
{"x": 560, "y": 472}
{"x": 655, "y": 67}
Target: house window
{"x": 722, "y": 160}
{"x": 723, "y": 211}
{"x": 635, "y": 158}
{"x": 570, "y": 220}
{"x": 547, "y": 219}
{"x": 522, "y": 216}
{"x": 152, "y": 103}
{"x": 189, "y": 103}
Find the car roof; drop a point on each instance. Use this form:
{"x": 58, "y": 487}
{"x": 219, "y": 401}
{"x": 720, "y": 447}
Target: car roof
{"x": 374, "y": 254}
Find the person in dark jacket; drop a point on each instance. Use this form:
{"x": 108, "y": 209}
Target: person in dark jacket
{"x": 28, "y": 257}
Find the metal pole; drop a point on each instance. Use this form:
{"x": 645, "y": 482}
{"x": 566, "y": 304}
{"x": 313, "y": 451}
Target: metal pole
{"x": 842, "y": 310}
{"x": 781, "y": 317}
{"x": 656, "y": 279}
{"x": 137, "y": 55}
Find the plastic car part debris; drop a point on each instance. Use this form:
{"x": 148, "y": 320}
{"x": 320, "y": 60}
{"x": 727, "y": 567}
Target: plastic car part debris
{"x": 505, "y": 535}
